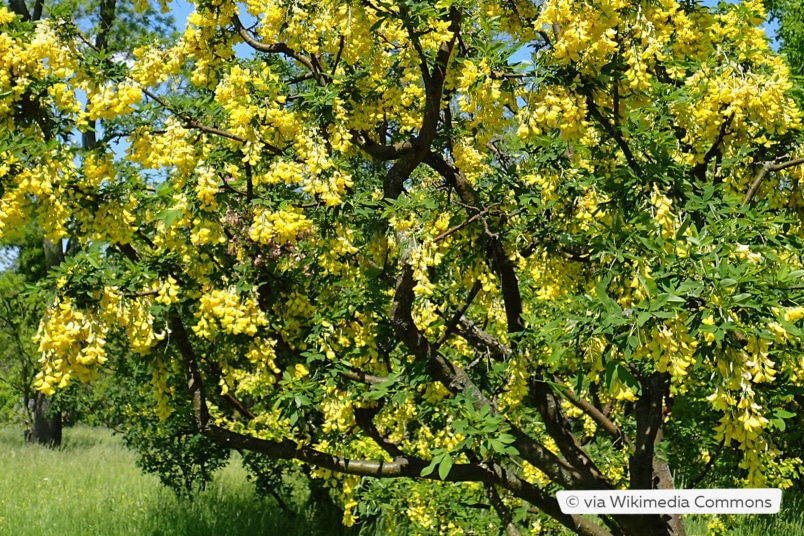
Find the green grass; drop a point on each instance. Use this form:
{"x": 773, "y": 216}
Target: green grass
{"x": 788, "y": 522}
{"x": 90, "y": 486}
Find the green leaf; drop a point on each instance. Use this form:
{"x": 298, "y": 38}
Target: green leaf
{"x": 778, "y": 424}
{"x": 795, "y": 274}
{"x": 625, "y": 376}
{"x": 169, "y": 215}
{"x": 783, "y": 414}
{"x": 506, "y": 438}
{"x": 164, "y": 189}
{"x": 430, "y": 468}
{"x": 444, "y": 466}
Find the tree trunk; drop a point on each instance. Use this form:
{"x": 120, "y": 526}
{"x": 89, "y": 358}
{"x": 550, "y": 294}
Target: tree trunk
{"x": 45, "y": 426}
{"x": 648, "y": 471}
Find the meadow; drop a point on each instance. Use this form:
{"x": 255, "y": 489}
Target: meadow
{"x": 91, "y": 487}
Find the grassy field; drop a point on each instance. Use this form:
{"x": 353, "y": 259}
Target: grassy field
{"x": 91, "y": 487}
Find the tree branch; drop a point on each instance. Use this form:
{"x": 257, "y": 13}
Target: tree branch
{"x": 559, "y": 429}
{"x": 699, "y": 170}
{"x": 615, "y": 134}
{"x": 434, "y": 89}
{"x": 456, "y": 318}
{"x": 503, "y": 512}
{"x": 402, "y": 466}
{"x": 767, "y": 167}
{"x": 273, "y": 48}
{"x": 596, "y": 415}
{"x": 19, "y": 7}
{"x": 380, "y": 151}
{"x": 456, "y": 380}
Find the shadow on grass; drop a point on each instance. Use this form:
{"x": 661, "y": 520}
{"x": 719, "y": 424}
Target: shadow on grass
{"x": 207, "y": 515}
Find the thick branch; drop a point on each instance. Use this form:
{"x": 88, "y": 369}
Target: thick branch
{"x": 648, "y": 409}
{"x": 362, "y": 377}
{"x": 456, "y": 380}
{"x": 273, "y": 48}
{"x": 456, "y": 318}
{"x": 482, "y": 341}
{"x": 382, "y": 152}
{"x": 19, "y": 7}
{"x": 596, "y": 415}
{"x": 699, "y": 170}
{"x": 434, "y": 89}
{"x": 559, "y": 429}
{"x": 546, "y": 402}
{"x": 401, "y": 466}
{"x": 503, "y": 512}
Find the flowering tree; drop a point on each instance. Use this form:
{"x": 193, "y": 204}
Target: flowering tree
{"x": 111, "y": 24}
{"x": 361, "y": 236}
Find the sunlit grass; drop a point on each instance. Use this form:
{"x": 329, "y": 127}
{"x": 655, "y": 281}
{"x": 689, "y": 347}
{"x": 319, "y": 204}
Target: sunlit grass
{"x": 788, "y": 522}
{"x": 90, "y": 486}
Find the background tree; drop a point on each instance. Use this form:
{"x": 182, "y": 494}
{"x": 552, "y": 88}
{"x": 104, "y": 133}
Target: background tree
{"x": 378, "y": 247}
{"x": 789, "y": 15}
{"x": 35, "y": 255}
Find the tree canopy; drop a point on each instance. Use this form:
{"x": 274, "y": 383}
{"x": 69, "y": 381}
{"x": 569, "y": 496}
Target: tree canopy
{"x": 789, "y": 16}
{"x": 445, "y": 253}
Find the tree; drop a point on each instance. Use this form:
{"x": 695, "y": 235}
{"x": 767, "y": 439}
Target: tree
{"x": 111, "y": 25}
{"x": 789, "y": 15}
{"x": 19, "y": 313}
{"x": 380, "y": 246}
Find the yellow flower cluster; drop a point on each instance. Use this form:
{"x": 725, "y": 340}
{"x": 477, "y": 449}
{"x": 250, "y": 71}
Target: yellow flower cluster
{"x": 662, "y": 212}
{"x": 587, "y": 31}
{"x": 294, "y": 310}
{"x": 134, "y": 315}
{"x": 207, "y": 187}
{"x": 111, "y": 100}
{"x": 555, "y": 107}
{"x": 161, "y": 390}
{"x": 171, "y": 147}
{"x": 672, "y": 348}
{"x": 227, "y": 309}
{"x": 338, "y": 412}
{"x": 71, "y": 342}
{"x": 279, "y": 227}
{"x": 153, "y": 65}
{"x": 168, "y": 291}
{"x": 422, "y": 256}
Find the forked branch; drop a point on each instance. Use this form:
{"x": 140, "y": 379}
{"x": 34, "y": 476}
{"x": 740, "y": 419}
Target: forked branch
{"x": 767, "y": 167}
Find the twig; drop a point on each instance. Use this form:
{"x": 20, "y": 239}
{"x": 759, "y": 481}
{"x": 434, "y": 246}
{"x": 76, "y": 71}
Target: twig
{"x": 456, "y": 318}
{"x": 460, "y": 226}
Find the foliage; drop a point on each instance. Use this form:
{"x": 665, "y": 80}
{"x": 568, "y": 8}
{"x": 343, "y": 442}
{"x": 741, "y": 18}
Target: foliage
{"x": 20, "y": 309}
{"x": 380, "y": 246}
{"x": 789, "y": 15}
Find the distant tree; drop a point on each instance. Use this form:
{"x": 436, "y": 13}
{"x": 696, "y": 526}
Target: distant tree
{"x": 789, "y": 15}
{"x": 19, "y": 357}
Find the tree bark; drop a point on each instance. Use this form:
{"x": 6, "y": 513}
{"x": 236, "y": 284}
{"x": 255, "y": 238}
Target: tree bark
{"x": 45, "y": 426}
